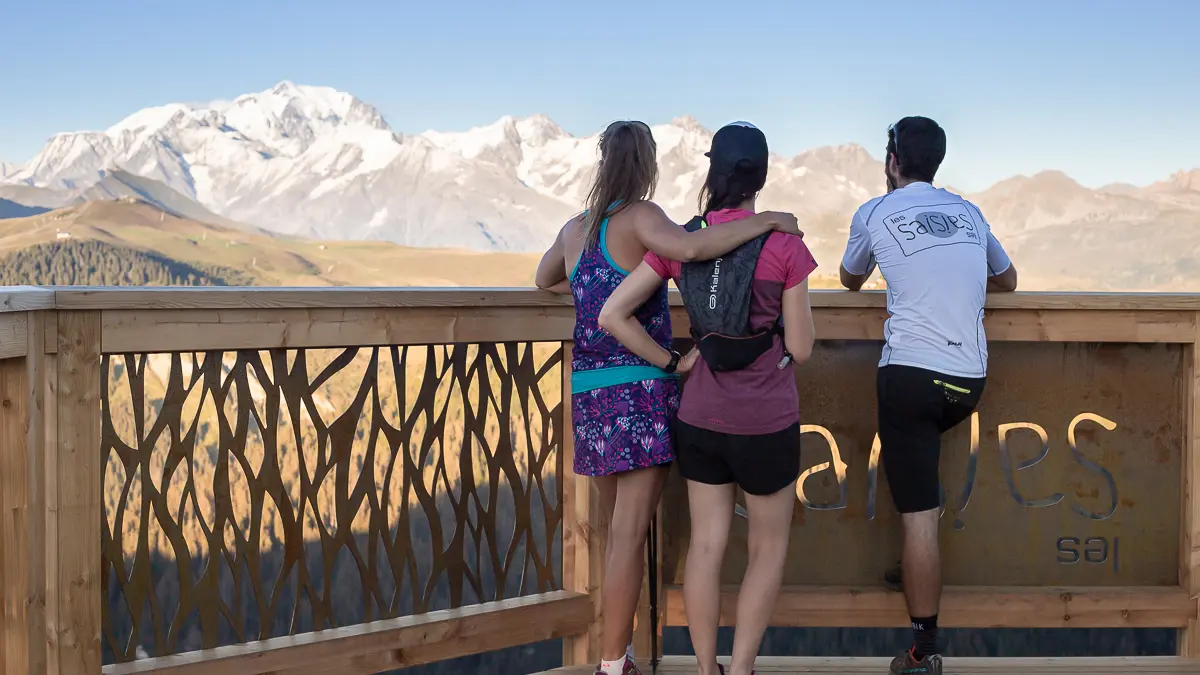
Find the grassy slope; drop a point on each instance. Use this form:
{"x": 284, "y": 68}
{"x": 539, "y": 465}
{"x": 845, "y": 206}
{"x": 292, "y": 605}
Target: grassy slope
{"x": 275, "y": 260}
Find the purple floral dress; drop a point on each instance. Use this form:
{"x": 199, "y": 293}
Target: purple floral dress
{"x": 622, "y": 406}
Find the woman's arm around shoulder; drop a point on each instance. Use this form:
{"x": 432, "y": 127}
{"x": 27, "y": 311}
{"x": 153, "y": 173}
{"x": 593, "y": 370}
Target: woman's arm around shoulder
{"x": 659, "y": 234}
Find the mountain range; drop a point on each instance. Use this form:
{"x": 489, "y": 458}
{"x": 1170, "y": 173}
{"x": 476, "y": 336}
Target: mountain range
{"x": 319, "y": 163}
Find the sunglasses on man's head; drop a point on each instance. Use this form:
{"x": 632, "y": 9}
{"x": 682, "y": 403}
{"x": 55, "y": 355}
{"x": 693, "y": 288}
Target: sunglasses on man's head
{"x": 894, "y": 138}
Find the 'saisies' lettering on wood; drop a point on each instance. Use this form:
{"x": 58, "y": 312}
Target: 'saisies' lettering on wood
{"x": 836, "y": 463}
{"x": 1005, "y": 432}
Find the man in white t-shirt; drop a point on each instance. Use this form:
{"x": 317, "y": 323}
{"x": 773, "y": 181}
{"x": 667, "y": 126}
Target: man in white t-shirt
{"x": 938, "y": 259}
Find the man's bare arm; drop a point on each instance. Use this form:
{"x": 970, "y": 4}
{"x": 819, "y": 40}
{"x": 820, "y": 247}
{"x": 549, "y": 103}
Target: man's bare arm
{"x": 853, "y": 282}
{"x": 1005, "y": 282}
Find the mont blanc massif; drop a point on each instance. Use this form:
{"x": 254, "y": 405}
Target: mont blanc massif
{"x": 318, "y": 163}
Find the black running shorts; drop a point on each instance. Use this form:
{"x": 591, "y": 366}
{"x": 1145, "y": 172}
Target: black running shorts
{"x": 916, "y": 407}
{"x": 761, "y": 464}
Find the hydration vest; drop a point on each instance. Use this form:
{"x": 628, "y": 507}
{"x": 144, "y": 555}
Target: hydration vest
{"x": 716, "y": 294}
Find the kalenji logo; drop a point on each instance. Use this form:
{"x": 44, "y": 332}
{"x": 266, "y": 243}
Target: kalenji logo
{"x": 712, "y": 288}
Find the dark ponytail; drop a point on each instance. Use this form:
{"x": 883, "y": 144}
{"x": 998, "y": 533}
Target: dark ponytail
{"x": 727, "y": 190}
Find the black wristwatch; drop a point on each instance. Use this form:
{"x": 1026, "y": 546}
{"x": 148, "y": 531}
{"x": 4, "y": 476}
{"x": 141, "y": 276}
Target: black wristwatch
{"x": 674, "y": 362}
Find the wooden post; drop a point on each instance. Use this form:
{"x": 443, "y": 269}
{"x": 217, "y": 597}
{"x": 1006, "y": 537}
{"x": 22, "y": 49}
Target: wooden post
{"x": 1189, "y": 544}
{"x": 645, "y": 649}
{"x": 73, "y": 497}
{"x": 585, "y": 535}
{"x": 22, "y": 487}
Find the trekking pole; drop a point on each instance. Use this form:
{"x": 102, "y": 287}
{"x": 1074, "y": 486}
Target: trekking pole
{"x": 652, "y": 561}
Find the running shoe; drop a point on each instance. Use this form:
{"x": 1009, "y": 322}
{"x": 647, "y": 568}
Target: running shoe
{"x": 905, "y": 664}
{"x": 629, "y": 669}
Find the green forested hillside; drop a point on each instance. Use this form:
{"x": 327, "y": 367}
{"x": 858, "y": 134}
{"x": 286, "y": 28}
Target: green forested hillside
{"x": 96, "y": 263}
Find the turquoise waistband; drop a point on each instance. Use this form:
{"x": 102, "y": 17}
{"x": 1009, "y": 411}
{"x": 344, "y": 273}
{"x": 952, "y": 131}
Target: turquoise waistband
{"x": 588, "y": 380}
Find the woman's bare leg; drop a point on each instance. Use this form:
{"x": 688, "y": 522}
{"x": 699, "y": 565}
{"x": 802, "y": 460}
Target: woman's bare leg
{"x": 607, "y": 486}
{"x": 637, "y": 495}
{"x": 712, "y": 514}
{"x": 770, "y": 527}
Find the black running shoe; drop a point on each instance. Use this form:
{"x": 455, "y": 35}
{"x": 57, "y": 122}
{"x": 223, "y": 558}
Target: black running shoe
{"x": 905, "y": 664}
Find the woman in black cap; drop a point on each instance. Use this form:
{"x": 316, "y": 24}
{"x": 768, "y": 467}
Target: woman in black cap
{"x": 738, "y": 424}
{"x": 622, "y": 405}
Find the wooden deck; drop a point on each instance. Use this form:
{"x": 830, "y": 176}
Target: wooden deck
{"x": 72, "y": 436}
{"x": 1149, "y": 665}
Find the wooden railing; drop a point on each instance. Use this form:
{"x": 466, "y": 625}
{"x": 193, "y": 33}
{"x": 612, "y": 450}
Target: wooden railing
{"x": 357, "y": 480}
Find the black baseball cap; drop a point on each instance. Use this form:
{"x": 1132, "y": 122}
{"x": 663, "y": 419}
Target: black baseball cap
{"x": 735, "y": 142}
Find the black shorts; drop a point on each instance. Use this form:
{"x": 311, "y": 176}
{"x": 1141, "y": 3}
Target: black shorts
{"x": 916, "y": 406}
{"x": 761, "y": 464}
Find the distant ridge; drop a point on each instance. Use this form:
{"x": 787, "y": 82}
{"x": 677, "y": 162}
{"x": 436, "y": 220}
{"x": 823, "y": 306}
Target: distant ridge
{"x": 319, "y": 163}
{"x": 10, "y": 209}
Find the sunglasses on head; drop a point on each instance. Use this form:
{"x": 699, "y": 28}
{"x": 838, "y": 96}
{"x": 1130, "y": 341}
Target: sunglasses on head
{"x": 641, "y": 126}
{"x": 894, "y": 137}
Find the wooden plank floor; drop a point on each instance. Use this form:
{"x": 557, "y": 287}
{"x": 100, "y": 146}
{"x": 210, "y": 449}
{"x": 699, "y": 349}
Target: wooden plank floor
{"x": 1149, "y": 665}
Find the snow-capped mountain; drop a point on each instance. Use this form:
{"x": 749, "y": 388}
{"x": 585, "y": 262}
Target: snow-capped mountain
{"x": 553, "y": 163}
{"x": 317, "y": 162}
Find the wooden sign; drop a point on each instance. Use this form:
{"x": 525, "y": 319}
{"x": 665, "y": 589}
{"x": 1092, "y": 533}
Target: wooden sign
{"x": 1067, "y": 474}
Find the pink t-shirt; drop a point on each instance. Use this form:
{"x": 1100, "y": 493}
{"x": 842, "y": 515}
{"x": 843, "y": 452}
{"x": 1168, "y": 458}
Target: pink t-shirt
{"x": 761, "y": 399}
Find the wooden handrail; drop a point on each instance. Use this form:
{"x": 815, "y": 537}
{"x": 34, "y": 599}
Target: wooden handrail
{"x": 27, "y": 298}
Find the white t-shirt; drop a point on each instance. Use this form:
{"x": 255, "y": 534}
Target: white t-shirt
{"x": 936, "y": 252}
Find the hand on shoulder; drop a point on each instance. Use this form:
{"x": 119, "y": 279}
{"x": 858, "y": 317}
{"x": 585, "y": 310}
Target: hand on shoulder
{"x": 784, "y": 222}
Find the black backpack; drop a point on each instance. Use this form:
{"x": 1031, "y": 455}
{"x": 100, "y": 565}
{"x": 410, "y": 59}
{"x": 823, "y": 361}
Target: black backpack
{"x": 716, "y": 294}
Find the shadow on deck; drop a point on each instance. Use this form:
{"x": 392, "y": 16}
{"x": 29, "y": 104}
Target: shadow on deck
{"x": 1148, "y": 665}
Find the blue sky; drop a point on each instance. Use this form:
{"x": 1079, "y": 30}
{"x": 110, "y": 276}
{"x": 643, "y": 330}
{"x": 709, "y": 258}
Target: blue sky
{"x": 1104, "y": 90}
